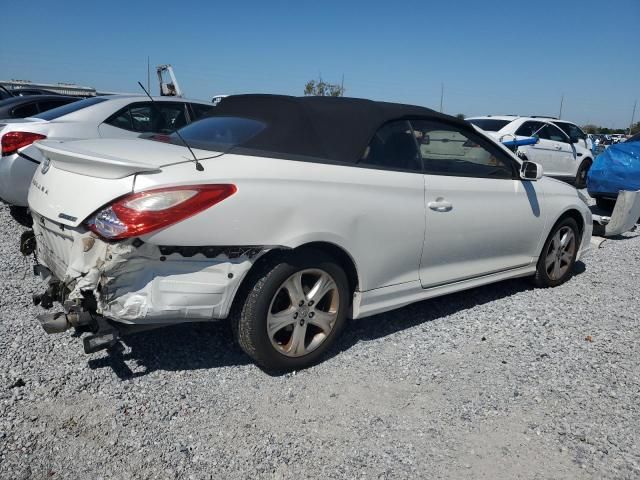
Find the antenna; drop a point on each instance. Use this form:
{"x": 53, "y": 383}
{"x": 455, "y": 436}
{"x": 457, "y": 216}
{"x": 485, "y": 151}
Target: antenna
{"x": 199, "y": 166}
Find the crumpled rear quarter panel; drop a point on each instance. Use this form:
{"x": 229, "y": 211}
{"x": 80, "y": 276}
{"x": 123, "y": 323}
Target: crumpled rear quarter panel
{"x": 139, "y": 285}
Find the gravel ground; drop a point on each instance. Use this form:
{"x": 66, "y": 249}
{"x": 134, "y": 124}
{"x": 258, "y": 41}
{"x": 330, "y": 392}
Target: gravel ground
{"x": 503, "y": 381}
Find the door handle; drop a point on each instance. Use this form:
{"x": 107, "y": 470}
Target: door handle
{"x": 558, "y": 147}
{"x": 440, "y": 206}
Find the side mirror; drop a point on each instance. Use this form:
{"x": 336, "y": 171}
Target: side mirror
{"x": 531, "y": 171}
{"x": 426, "y": 139}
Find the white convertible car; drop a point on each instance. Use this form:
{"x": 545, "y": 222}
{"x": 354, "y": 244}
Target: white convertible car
{"x": 297, "y": 214}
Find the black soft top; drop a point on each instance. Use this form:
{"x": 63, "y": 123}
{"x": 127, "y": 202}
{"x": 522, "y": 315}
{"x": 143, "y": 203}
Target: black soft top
{"x": 334, "y": 128}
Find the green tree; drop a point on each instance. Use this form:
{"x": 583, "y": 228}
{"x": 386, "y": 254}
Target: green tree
{"x": 591, "y": 128}
{"x": 321, "y": 88}
{"x": 461, "y": 116}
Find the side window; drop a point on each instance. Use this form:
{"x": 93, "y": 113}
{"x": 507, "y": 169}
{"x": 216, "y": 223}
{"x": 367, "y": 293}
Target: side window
{"x": 574, "y": 132}
{"x": 49, "y": 104}
{"x": 24, "y": 111}
{"x": 121, "y": 119}
{"x": 141, "y": 117}
{"x": 555, "y": 134}
{"x": 393, "y": 147}
{"x": 200, "y": 110}
{"x": 164, "y": 117}
{"x": 169, "y": 117}
{"x": 529, "y": 129}
{"x": 447, "y": 151}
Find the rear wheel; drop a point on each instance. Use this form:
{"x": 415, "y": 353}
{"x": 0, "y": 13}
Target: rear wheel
{"x": 583, "y": 171}
{"x": 555, "y": 265}
{"x": 294, "y": 310}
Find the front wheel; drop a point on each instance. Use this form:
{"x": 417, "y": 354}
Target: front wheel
{"x": 294, "y": 310}
{"x": 581, "y": 176}
{"x": 555, "y": 265}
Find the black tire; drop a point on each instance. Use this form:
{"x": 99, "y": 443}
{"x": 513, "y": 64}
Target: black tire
{"x": 543, "y": 278}
{"x": 250, "y": 318}
{"x": 581, "y": 175}
{"x": 21, "y": 215}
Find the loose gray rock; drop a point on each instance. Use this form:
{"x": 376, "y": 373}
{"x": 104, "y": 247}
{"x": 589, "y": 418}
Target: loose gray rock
{"x": 504, "y": 381}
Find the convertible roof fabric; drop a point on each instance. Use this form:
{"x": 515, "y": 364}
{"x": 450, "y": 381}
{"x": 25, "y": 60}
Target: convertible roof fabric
{"x": 333, "y": 128}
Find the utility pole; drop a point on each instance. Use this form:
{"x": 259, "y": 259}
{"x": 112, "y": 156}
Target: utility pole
{"x": 441, "y": 95}
{"x": 561, "y": 102}
{"x": 148, "y": 75}
{"x": 633, "y": 116}
{"x": 342, "y": 86}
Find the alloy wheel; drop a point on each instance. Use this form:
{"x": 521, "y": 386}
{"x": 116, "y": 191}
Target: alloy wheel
{"x": 560, "y": 253}
{"x": 303, "y": 312}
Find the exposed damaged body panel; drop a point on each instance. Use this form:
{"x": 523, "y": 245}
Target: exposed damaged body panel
{"x": 136, "y": 282}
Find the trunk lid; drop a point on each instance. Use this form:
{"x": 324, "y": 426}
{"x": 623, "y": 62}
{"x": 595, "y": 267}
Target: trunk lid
{"x": 79, "y": 177}
{"x": 111, "y": 158}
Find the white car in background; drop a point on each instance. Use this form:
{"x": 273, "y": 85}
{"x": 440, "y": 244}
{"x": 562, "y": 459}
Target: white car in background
{"x": 562, "y": 150}
{"x": 297, "y": 213}
{"x": 117, "y": 116}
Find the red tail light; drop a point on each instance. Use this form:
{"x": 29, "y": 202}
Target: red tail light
{"x": 144, "y": 212}
{"x": 13, "y": 141}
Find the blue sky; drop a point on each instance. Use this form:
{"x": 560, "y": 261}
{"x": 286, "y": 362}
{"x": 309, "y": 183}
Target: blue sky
{"x": 491, "y": 56}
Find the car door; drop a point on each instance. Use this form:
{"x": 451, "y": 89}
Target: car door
{"x": 392, "y": 185}
{"x": 563, "y": 153}
{"x": 480, "y": 217}
{"x": 541, "y": 151}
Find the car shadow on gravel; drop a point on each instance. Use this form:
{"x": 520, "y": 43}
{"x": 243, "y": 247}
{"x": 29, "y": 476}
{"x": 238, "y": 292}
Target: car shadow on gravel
{"x": 190, "y": 346}
{"x": 385, "y": 324}
{"x": 196, "y": 346}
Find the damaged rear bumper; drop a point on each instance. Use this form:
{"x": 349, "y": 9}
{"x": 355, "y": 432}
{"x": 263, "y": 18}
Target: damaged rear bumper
{"x": 136, "y": 283}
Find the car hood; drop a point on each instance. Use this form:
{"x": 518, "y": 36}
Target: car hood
{"x": 114, "y": 158}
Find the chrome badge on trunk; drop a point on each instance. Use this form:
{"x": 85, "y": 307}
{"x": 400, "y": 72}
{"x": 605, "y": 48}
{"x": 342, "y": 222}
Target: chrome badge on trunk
{"x": 45, "y": 165}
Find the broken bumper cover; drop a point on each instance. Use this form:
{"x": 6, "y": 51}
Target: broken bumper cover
{"x": 139, "y": 283}
{"x": 585, "y": 243}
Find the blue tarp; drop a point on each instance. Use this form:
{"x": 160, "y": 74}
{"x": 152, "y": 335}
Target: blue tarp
{"x": 615, "y": 169}
{"x": 520, "y": 143}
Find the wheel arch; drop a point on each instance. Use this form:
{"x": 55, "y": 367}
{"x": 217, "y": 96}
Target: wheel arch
{"x": 339, "y": 254}
{"x": 570, "y": 213}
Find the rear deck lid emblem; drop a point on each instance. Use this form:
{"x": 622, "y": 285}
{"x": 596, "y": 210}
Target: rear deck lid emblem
{"x": 45, "y": 165}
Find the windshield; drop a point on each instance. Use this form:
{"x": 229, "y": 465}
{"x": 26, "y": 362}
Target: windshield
{"x": 69, "y": 108}
{"x": 489, "y": 124}
{"x": 218, "y": 133}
